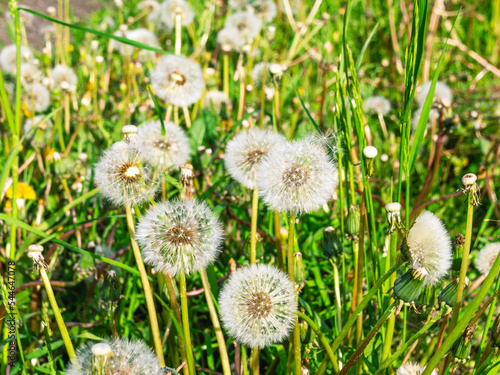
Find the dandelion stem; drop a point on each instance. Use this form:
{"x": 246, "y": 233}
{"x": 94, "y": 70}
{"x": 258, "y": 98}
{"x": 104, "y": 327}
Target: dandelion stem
{"x": 225, "y": 68}
{"x": 178, "y": 28}
{"x": 146, "y": 287}
{"x": 291, "y": 274}
{"x": 391, "y": 260}
{"x": 352, "y": 318}
{"x": 226, "y": 369}
{"x": 253, "y": 228}
{"x": 185, "y": 324}
{"x": 255, "y": 361}
{"x": 58, "y": 316}
{"x": 277, "y": 237}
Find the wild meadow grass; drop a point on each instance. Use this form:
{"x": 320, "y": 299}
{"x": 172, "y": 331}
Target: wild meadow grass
{"x": 251, "y": 187}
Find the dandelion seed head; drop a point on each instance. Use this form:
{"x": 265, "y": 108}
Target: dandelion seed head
{"x": 171, "y": 8}
{"x": 122, "y": 357}
{"x": 441, "y": 92}
{"x": 430, "y": 248}
{"x": 41, "y": 135}
{"x": 230, "y": 39}
{"x": 30, "y": 73}
{"x": 246, "y": 151}
{"x": 63, "y": 77}
{"x": 486, "y": 257}
{"x": 378, "y": 105}
{"x": 247, "y": 23}
{"x": 297, "y": 176}
{"x": 265, "y": 9}
{"x": 149, "y": 5}
{"x": 178, "y": 80}
{"x": 8, "y": 58}
{"x": 258, "y": 305}
{"x": 216, "y": 99}
{"x": 163, "y": 152}
{"x": 412, "y": 369}
{"x": 122, "y": 178}
{"x": 370, "y": 152}
{"x": 143, "y": 36}
{"x": 38, "y": 96}
{"x": 258, "y": 73}
{"x": 179, "y": 236}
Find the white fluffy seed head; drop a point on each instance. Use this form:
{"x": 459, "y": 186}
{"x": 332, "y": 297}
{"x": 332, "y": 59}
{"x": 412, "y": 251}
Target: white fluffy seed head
{"x": 430, "y": 248}
{"x": 179, "y": 236}
{"x": 63, "y": 77}
{"x": 230, "y": 39}
{"x": 143, "y": 36}
{"x": 393, "y": 207}
{"x": 297, "y": 176}
{"x": 469, "y": 179}
{"x": 170, "y": 8}
{"x": 370, "y": 152}
{"x": 163, "y": 152}
{"x": 8, "y": 58}
{"x": 30, "y": 74}
{"x": 258, "y": 73}
{"x": 246, "y": 151}
{"x": 247, "y": 23}
{"x": 216, "y": 99}
{"x": 486, "y": 257}
{"x": 258, "y": 305}
{"x": 102, "y": 348}
{"x": 378, "y": 104}
{"x": 442, "y": 91}
{"x": 265, "y": 9}
{"x": 38, "y": 97}
{"x": 412, "y": 369}
{"x": 178, "y": 80}
{"x": 122, "y": 178}
{"x": 125, "y": 357}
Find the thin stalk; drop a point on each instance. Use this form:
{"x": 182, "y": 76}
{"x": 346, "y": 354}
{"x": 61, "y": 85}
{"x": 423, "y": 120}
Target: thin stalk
{"x": 253, "y": 227}
{"x": 352, "y": 318}
{"x": 58, "y": 316}
{"x": 360, "y": 266}
{"x": 255, "y": 361}
{"x": 66, "y": 112}
{"x": 225, "y": 73}
{"x": 178, "y": 28}
{"x": 226, "y": 369}
{"x": 241, "y": 102}
{"x": 148, "y": 294}
{"x": 338, "y": 304}
{"x": 367, "y": 340}
{"x": 391, "y": 260}
{"x": 277, "y": 237}
{"x": 322, "y": 338}
{"x": 187, "y": 117}
{"x": 291, "y": 274}
{"x": 185, "y": 324}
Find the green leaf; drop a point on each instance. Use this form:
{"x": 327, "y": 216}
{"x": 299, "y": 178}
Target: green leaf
{"x": 95, "y": 32}
{"x": 316, "y": 126}
{"x": 158, "y": 110}
{"x": 365, "y": 46}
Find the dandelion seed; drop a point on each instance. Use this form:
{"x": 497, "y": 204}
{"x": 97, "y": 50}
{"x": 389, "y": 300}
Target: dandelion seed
{"x": 230, "y": 39}
{"x": 115, "y": 356}
{"x": 297, "y": 176}
{"x": 178, "y": 80}
{"x": 163, "y": 152}
{"x": 63, "y": 77}
{"x": 441, "y": 92}
{"x": 122, "y": 178}
{"x": 486, "y": 257}
{"x": 258, "y": 305}
{"x": 171, "y": 8}
{"x": 38, "y": 96}
{"x": 428, "y": 247}
{"x": 378, "y": 104}
{"x": 248, "y": 25}
{"x": 179, "y": 237}
{"x": 217, "y": 100}
{"x": 8, "y": 58}
{"x": 246, "y": 151}
{"x": 412, "y": 369}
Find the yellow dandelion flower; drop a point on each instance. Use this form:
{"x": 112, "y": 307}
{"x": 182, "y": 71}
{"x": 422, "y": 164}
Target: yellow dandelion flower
{"x": 23, "y": 191}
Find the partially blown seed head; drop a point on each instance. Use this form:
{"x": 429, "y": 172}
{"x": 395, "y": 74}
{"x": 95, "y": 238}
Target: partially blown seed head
{"x": 178, "y": 80}
{"x": 486, "y": 257}
{"x": 258, "y": 305}
{"x": 63, "y": 77}
{"x": 120, "y": 356}
{"x": 297, "y": 176}
{"x": 39, "y": 137}
{"x": 216, "y": 99}
{"x": 246, "y": 151}
{"x": 8, "y": 58}
{"x": 171, "y": 8}
{"x": 163, "y": 152}
{"x": 429, "y": 247}
{"x": 143, "y": 36}
{"x": 248, "y": 24}
{"x": 442, "y": 91}
{"x": 230, "y": 39}
{"x": 179, "y": 236}
{"x": 378, "y": 104}
{"x": 412, "y": 369}
{"x": 38, "y": 97}
{"x": 121, "y": 176}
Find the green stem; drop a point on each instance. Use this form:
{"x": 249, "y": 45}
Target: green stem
{"x": 465, "y": 319}
{"x": 178, "y": 28}
{"x": 253, "y": 230}
{"x": 226, "y": 369}
{"x": 255, "y": 361}
{"x": 322, "y": 339}
{"x": 153, "y": 321}
{"x": 352, "y": 318}
{"x": 338, "y": 304}
{"x": 367, "y": 340}
{"x": 185, "y": 325}
{"x": 277, "y": 237}
{"x": 391, "y": 259}
{"x": 58, "y": 316}
{"x": 291, "y": 274}
{"x": 225, "y": 68}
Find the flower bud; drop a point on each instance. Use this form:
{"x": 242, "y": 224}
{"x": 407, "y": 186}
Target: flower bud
{"x": 495, "y": 333}
{"x": 332, "y": 246}
{"x": 299, "y": 270}
{"x": 352, "y": 223}
{"x": 462, "y": 347}
{"x": 409, "y": 286}
{"x": 394, "y": 216}
{"x": 369, "y": 153}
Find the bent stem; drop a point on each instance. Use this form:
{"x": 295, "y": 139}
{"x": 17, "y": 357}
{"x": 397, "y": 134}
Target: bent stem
{"x": 226, "y": 369}
{"x": 58, "y": 316}
{"x": 353, "y": 317}
{"x": 155, "y": 330}
{"x": 291, "y": 274}
{"x": 185, "y": 325}
{"x": 253, "y": 227}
